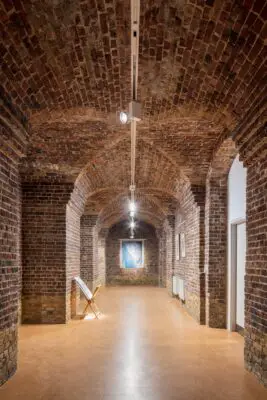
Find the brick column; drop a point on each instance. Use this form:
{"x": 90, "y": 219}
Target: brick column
{"x": 190, "y": 268}
{"x": 256, "y": 272}
{"x": 73, "y": 212}
{"x": 47, "y": 240}
{"x": 216, "y": 233}
{"x": 162, "y": 257}
{"x": 170, "y": 243}
{"x": 89, "y": 236}
{"x": 101, "y": 257}
{"x": 216, "y": 251}
{"x": 11, "y": 147}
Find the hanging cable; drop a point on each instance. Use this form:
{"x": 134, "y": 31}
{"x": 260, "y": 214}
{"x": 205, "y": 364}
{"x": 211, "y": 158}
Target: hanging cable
{"x": 135, "y": 19}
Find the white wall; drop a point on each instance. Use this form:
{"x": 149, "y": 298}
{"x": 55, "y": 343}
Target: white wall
{"x": 237, "y": 191}
{"x": 236, "y": 212}
{"x": 240, "y": 274}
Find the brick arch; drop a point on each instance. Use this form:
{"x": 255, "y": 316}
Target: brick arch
{"x": 251, "y": 140}
{"x": 156, "y": 174}
{"x": 250, "y": 135}
{"x": 146, "y": 216}
{"x": 216, "y": 233}
{"x": 147, "y": 207}
{"x": 154, "y": 168}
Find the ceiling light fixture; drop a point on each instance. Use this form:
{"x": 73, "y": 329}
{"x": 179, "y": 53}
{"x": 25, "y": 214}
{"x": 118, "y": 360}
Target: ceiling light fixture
{"x": 134, "y": 113}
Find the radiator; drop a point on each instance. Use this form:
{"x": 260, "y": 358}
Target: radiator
{"x": 178, "y": 287}
{"x": 175, "y": 285}
{"x": 181, "y": 289}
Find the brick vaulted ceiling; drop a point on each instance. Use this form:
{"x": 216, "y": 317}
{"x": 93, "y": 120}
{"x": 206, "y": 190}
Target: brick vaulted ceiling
{"x": 66, "y": 72}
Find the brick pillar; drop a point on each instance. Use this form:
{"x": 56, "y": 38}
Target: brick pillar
{"x": 170, "y": 244}
{"x": 166, "y": 252}
{"x": 162, "y": 257}
{"x": 10, "y": 261}
{"x": 73, "y": 248}
{"x": 89, "y": 250}
{"x": 190, "y": 267}
{"x": 101, "y": 256}
{"x": 47, "y": 234}
{"x": 256, "y": 272}
{"x": 216, "y": 251}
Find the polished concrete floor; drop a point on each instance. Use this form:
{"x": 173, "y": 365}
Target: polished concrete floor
{"x": 144, "y": 347}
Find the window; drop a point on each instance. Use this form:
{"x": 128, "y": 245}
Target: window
{"x": 132, "y": 253}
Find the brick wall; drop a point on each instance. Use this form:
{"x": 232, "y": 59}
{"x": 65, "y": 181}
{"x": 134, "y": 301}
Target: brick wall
{"x": 51, "y": 251}
{"x": 256, "y": 272}
{"x": 116, "y": 275}
{"x": 162, "y": 253}
{"x": 72, "y": 257}
{"x": 216, "y": 251}
{"x": 166, "y": 265}
{"x": 88, "y": 249}
{"x": 44, "y": 232}
{"x": 190, "y": 221}
{"x": 101, "y": 257}
{"x": 11, "y": 147}
{"x": 216, "y": 233}
{"x": 93, "y": 250}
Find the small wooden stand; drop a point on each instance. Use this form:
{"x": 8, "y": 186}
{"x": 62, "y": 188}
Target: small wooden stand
{"x": 90, "y": 298}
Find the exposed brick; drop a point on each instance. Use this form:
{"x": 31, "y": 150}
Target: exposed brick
{"x": 89, "y": 249}
{"x": 216, "y": 234}
{"x": 10, "y": 255}
{"x": 117, "y": 275}
{"x": 51, "y": 251}
{"x": 65, "y": 73}
{"x": 255, "y": 281}
{"x": 190, "y": 222}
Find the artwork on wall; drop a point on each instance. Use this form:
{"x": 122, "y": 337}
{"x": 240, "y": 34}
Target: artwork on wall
{"x": 182, "y": 240}
{"x": 132, "y": 253}
{"x": 177, "y": 246}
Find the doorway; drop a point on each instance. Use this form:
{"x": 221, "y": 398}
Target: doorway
{"x": 238, "y": 265}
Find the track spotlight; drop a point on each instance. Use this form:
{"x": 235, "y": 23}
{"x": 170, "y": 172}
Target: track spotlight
{"x": 124, "y": 117}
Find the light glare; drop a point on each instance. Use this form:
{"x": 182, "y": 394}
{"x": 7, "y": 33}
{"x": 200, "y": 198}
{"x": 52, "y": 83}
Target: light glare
{"x": 132, "y": 207}
{"x": 123, "y": 117}
{"x": 132, "y": 224}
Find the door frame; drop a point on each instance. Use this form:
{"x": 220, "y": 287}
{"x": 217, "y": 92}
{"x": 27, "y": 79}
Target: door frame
{"x": 233, "y": 271}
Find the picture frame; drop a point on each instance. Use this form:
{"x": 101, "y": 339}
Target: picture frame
{"x": 132, "y": 254}
{"x": 183, "y": 252}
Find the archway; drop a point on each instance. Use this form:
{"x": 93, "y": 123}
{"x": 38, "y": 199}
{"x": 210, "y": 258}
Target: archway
{"x": 146, "y": 270}
{"x": 216, "y": 234}
{"x": 236, "y": 246}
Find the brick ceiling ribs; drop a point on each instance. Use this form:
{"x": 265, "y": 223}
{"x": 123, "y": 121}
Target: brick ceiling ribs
{"x": 66, "y": 72}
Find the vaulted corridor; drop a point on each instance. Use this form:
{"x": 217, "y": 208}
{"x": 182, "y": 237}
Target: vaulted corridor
{"x": 133, "y": 137}
{"x": 144, "y": 347}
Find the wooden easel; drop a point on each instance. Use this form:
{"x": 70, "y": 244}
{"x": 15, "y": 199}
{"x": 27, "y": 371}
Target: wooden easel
{"x": 90, "y": 298}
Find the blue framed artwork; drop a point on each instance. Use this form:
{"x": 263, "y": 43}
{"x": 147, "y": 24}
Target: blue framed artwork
{"x": 132, "y": 253}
